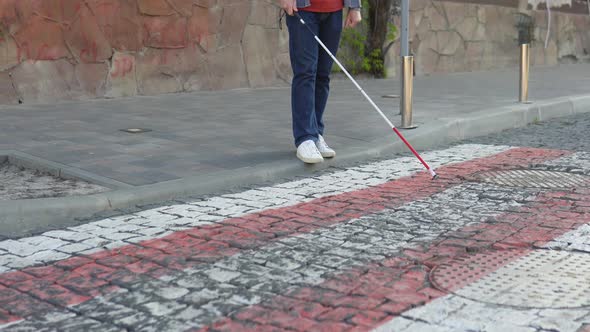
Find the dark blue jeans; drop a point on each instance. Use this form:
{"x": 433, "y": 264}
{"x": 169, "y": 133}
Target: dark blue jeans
{"x": 311, "y": 70}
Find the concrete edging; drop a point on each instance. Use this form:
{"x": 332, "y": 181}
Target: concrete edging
{"x": 23, "y": 217}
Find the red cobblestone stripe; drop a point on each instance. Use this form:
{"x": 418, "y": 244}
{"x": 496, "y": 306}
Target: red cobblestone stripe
{"x": 75, "y": 280}
{"x": 364, "y": 298}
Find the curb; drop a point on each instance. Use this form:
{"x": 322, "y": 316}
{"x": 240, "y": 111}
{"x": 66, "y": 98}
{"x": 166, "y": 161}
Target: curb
{"x": 24, "y": 217}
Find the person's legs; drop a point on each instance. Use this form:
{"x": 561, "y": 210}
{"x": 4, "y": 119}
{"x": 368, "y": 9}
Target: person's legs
{"x": 303, "y": 50}
{"x": 330, "y": 29}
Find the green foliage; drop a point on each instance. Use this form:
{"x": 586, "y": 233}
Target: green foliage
{"x": 353, "y": 53}
{"x": 376, "y": 65}
{"x": 391, "y": 32}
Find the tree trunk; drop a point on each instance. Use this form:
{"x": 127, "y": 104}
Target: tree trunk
{"x": 379, "y": 17}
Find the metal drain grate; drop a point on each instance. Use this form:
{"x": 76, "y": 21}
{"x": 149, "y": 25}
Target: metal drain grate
{"x": 539, "y": 279}
{"x": 534, "y": 179}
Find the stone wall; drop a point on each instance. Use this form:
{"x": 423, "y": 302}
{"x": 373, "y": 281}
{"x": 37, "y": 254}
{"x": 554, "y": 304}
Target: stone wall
{"x": 77, "y": 49}
{"x": 451, "y": 36}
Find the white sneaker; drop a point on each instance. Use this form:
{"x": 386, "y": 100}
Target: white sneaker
{"x": 324, "y": 149}
{"x": 308, "y": 153}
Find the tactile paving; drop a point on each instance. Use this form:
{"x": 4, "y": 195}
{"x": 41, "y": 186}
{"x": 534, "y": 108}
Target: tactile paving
{"x": 534, "y": 179}
{"x": 537, "y": 279}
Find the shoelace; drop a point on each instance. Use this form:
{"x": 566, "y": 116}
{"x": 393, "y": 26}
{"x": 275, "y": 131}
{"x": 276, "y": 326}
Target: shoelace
{"x": 322, "y": 144}
{"x": 310, "y": 149}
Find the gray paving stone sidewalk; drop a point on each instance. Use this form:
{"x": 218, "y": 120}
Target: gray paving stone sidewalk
{"x": 207, "y": 132}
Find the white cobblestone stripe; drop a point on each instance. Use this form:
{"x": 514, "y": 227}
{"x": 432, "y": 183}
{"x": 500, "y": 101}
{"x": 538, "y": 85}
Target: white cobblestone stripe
{"x": 576, "y": 240}
{"x": 454, "y": 313}
{"x": 154, "y": 223}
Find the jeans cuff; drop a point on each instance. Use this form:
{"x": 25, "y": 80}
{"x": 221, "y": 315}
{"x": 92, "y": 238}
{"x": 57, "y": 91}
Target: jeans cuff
{"x": 305, "y": 138}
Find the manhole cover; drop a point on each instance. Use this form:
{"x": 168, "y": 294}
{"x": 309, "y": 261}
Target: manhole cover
{"x": 535, "y": 279}
{"x": 534, "y": 179}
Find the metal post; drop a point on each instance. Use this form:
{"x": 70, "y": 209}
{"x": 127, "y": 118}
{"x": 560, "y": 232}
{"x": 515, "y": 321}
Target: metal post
{"x": 404, "y": 40}
{"x": 407, "y": 70}
{"x": 524, "y": 73}
{"x": 405, "y": 45}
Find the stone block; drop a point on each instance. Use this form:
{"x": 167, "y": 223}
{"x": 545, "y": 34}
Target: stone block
{"x": 452, "y": 62}
{"x": 448, "y": 42}
{"x": 7, "y": 93}
{"x": 540, "y": 18}
{"x": 14, "y": 14}
{"x": 467, "y": 28}
{"x": 165, "y": 31}
{"x": 166, "y": 70}
{"x": 8, "y": 52}
{"x": 62, "y": 11}
{"x": 422, "y": 27}
{"x": 200, "y": 79}
{"x": 473, "y": 54}
{"x": 92, "y": 78}
{"x": 41, "y": 39}
{"x": 182, "y": 7}
{"x": 233, "y": 23}
{"x": 258, "y": 54}
{"x": 263, "y": 14}
{"x": 155, "y": 7}
{"x": 227, "y": 68}
{"x": 419, "y": 4}
{"x": 283, "y": 67}
{"x": 120, "y": 23}
{"x": 392, "y": 61}
{"x": 551, "y": 58}
{"x": 480, "y": 33}
{"x": 85, "y": 39}
{"x": 224, "y": 3}
{"x": 500, "y": 24}
{"x": 283, "y": 41}
{"x": 481, "y": 14}
{"x": 25, "y": 10}
{"x": 426, "y": 61}
{"x": 537, "y": 56}
{"x": 8, "y": 14}
{"x": 436, "y": 17}
{"x": 46, "y": 81}
{"x": 566, "y": 37}
{"x": 121, "y": 79}
{"x": 203, "y": 26}
{"x": 455, "y": 12}
{"x": 206, "y": 3}
{"x": 499, "y": 55}
{"x": 430, "y": 42}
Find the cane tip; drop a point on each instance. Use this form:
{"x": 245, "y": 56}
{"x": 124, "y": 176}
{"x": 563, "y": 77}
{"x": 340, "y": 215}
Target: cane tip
{"x": 433, "y": 173}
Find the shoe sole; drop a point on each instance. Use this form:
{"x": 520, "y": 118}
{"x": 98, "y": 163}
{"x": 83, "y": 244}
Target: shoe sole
{"x": 310, "y": 160}
{"x": 328, "y": 154}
